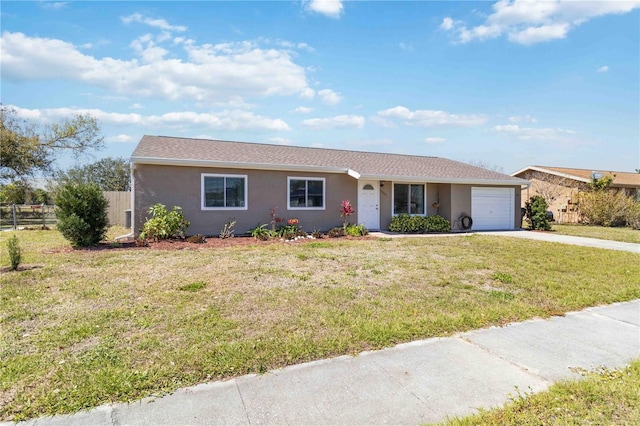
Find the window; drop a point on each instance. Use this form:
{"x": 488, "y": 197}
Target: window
{"x": 306, "y": 193}
{"x": 408, "y": 198}
{"x": 224, "y": 192}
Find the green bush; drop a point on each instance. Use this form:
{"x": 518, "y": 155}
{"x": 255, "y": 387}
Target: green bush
{"x": 357, "y": 230}
{"x": 336, "y": 232}
{"x": 81, "y": 210}
{"x": 437, "y": 223}
{"x": 164, "y": 224}
{"x": 536, "y": 213}
{"x": 261, "y": 232}
{"x": 15, "y": 253}
{"x": 633, "y": 215}
{"x": 419, "y": 224}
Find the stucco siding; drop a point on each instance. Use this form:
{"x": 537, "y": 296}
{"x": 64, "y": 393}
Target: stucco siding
{"x": 181, "y": 186}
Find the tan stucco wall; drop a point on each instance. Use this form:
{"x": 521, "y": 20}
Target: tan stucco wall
{"x": 181, "y": 186}
{"x": 386, "y": 202}
{"x": 564, "y": 211}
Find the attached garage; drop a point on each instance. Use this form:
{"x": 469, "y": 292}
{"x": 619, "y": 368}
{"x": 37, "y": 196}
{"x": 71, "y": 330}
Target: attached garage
{"x": 492, "y": 208}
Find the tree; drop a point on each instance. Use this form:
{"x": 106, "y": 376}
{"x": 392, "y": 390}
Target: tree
{"x": 82, "y": 214}
{"x": 484, "y": 165}
{"x": 14, "y": 193}
{"x": 110, "y": 174}
{"x": 549, "y": 186}
{"x": 27, "y": 149}
{"x": 536, "y": 213}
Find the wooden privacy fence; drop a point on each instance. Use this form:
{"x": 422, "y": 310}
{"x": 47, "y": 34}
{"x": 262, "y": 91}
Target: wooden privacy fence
{"x": 119, "y": 203}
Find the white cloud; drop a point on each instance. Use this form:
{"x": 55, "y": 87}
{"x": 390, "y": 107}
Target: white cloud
{"x": 55, "y": 5}
{"x": 212, "y": 73}
{"x": 330, "y": 8}
{"x": 338, "y": 122}
{"x": 223, "y": 120}
{"x": 122, "y": 138}
{"x": 529, "y": 21}
{"x": 136, "y": 106}
{"x": 523, "y": 119}
{"x": 532, "y": 133}
{"x": 435, "y": 140}
{"x": 447, "y": 24}
{"x": 280, "y": 141}
{"x": 302, "y": 110}
{"x": 429, "y": 118}
{"x": 307, "y": 93}
{"x": 603, "y": 69}
{"x": 156, "y": 23}
{"x": 329, "y": 97}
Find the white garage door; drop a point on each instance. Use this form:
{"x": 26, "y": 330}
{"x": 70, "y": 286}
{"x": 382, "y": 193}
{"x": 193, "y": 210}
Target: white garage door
{"x": 492, "y": 208}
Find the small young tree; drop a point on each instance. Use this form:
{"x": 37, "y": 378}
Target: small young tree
{"x": 536, "y": 213}
{"x": 81, "y": 210}
{"x": 15, "y": 253}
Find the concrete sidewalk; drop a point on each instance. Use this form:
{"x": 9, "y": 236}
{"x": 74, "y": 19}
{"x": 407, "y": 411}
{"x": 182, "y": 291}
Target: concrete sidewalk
{"x": 413, "y": 383}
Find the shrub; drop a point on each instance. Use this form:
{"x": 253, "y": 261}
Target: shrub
{"x": 15, "y": 253}
{"x": 357, "y": 230}
{"x": 536, "y": 213}
{"x": 346, "y": 210}
{"x": 164, "y": 224}
{"x": 261, "y": 232}
{"x": 197, "y": 239}
{"x": 606, "y": 208}
{"x": 437, "y": 223}
{"x": 227, "y": 230}
{"x": 336, "y": 232}
{"x": 633, "y": 215}
{"x": 81, "y": 210}
{"x": 291, "y": 230}
{"x": 419, "y": 224}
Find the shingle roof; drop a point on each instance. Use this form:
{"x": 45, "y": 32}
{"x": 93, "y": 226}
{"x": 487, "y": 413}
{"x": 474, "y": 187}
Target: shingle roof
{"x": 620, "y": 179}
{"x": 185, "y": 151}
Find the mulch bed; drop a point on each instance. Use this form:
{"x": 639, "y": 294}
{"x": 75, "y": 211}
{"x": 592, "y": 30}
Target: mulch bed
{"x": 182, "y": 244}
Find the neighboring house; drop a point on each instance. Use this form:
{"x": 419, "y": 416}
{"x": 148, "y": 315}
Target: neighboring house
{"x": 560, "y": 186}
{"x": 214, "y": 181}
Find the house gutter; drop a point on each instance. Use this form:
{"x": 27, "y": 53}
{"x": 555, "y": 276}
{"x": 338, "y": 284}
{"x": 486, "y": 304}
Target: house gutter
{"x": 463, "y": 181}
{"x": 234, "y": 165}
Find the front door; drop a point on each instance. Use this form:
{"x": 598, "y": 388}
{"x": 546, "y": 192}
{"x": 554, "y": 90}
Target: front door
{"x": 368, "y": 208}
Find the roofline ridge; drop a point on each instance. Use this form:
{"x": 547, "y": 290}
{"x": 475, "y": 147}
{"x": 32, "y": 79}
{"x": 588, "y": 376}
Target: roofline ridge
{"x": 301, "y": 147}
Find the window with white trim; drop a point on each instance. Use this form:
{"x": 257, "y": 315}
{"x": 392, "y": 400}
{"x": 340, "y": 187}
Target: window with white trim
{"x": 306, "y": 193}
{"x": 224, "y": 192}
{"x": 409, "y": 198}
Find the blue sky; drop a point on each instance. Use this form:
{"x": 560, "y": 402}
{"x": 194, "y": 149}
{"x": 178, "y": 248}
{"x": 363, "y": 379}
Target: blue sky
{"x": 507, "y": 83}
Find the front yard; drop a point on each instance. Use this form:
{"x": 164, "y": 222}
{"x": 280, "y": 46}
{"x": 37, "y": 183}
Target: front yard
{"x": 623, "y": 234}
{"x": 83, "y": 328}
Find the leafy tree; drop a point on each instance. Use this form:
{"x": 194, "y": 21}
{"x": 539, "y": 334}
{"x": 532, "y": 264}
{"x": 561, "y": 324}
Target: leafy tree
{"x": 82, "y": 214}
{"x": 14, "y": 193}
{"x": 600, "y": 183}
{"x": 110, "y": 174}
{"x": 536, "y": 213}
{"x": 27, "y": 149}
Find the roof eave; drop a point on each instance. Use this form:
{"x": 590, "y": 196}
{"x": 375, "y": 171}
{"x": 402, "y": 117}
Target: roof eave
{"x": 551, "y": 172}
{"x": 462, "y": 181}
{"x": 159, "y": 161}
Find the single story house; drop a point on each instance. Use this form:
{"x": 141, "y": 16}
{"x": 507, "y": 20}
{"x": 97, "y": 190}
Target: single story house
{"x": 560, "y": 186}
{"x": 215, "y": 181}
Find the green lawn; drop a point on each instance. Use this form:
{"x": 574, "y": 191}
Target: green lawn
{"x": 604, "y": 397}
{"x": 626, "y": 235}
{"x": 83, "y": 328}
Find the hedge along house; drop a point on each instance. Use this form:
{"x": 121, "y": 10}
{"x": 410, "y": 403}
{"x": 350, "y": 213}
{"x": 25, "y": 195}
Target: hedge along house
{"x": 215, "y": 181}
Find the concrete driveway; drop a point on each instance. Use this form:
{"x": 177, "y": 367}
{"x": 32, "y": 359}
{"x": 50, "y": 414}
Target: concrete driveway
{"x": 568, "y": 239}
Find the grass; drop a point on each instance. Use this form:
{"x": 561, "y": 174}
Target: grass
{"x": 602, "y": 397}
{"x": 626, "y": 235}
{"x": 83, "y": 328}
